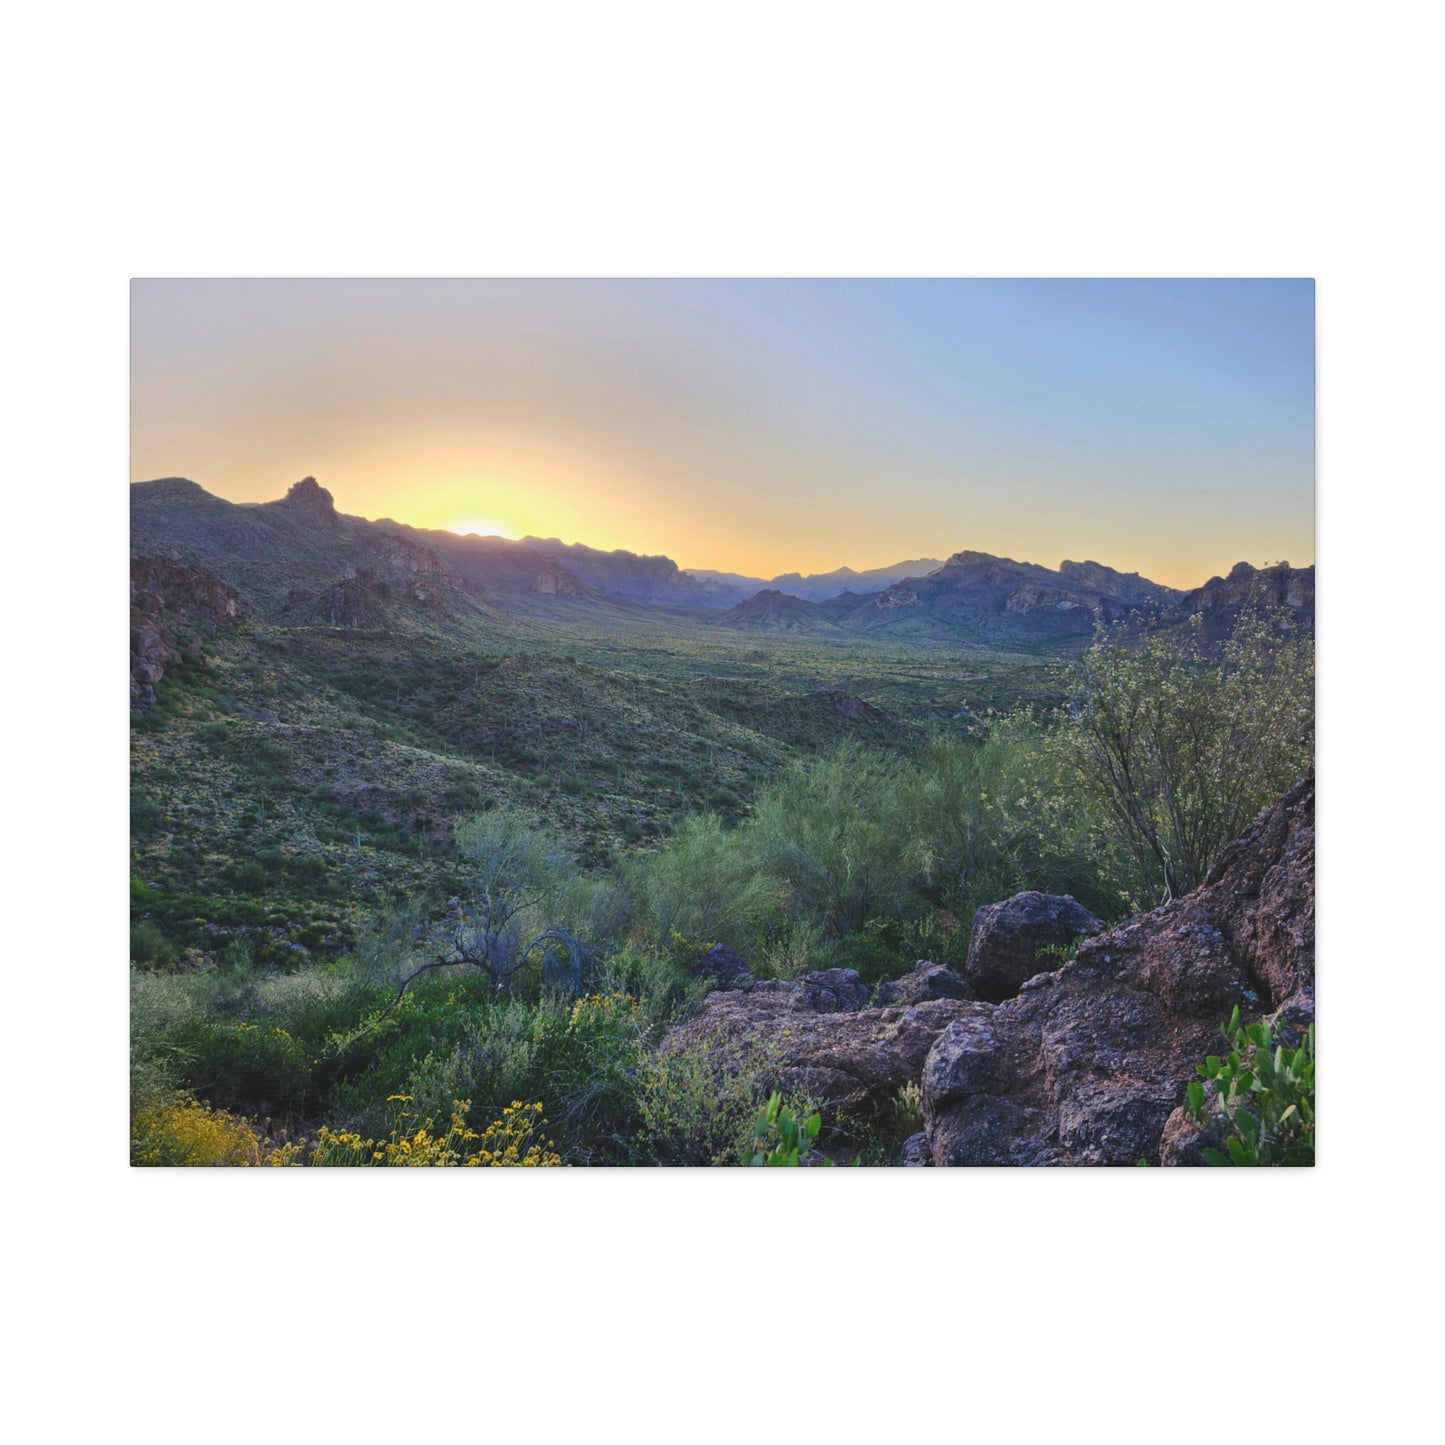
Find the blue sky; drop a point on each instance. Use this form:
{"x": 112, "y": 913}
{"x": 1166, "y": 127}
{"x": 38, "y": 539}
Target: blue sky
{"x": 1163, "y": 426}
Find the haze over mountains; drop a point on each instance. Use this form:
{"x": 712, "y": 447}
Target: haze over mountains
{"x": 299, "y": 561}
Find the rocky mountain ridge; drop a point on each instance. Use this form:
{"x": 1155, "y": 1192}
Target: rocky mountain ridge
{"x": 301, "y": 562}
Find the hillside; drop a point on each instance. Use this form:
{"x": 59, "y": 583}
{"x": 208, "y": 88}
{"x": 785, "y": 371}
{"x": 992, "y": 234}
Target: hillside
{"x": 301, "y": 562}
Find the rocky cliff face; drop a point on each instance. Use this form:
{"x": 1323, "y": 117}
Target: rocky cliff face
{"x": 1221, "y": 600}
{"x": 995, "y": 599}
{"x": 166, "y": 597}
{"x": 647, "y": 579}
{"x": 1129, "y": 586}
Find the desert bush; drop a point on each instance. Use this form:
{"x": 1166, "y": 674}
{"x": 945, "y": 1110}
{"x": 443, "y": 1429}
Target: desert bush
{"x": 249, "y": 1067}
{"x": 458, "y": 1038}
{"x": 1182, "y": 743}
{"x": 522, "y": 906}
{"x": 1002, "y": 813}
{"x": 249, "y": 877}
{"x": 149, "y": 946}
{"x": 792, "y": 945}
{"x": 833, "y": 831}
{"x": 703, "y": 886}
{"x": 518, "y": 877}
{"x": 656, "y": 977}
{"x": 699, "y": 1106}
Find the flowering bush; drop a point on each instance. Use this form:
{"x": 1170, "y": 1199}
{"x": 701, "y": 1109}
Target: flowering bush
{"x": 511, "y": 1140}
{"x": 1182, "y": 743}
{"x": 182, "y": 1132}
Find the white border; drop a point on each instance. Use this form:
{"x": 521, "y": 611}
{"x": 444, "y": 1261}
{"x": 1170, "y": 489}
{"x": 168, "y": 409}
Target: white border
{"x": 782, "y": 140}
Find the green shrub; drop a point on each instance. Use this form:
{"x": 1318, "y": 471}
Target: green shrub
{"x": 699, "y": 1105}
{"x": 248, "y": 877}
{"x": 780, "y": 1138}
{"x": 792, "y": 946}
{"x": 834, "y": 832}
{"x": 150, "y": 947}
{"x": 1182, "y": 743}
{"x": 997, "y": 815}
{"x": 703, "y": 886}
{"x": 1263, "y": 1096}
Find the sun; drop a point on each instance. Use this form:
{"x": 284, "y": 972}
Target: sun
{"x": 481, "y": 526}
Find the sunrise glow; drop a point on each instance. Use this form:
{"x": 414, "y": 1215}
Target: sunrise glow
{"x": 1165, "y": 427}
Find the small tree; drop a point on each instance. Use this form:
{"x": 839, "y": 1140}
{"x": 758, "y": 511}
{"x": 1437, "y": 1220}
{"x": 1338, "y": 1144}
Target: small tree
{"x": 1183, "y": 743}
{"x": 512, "y": 910}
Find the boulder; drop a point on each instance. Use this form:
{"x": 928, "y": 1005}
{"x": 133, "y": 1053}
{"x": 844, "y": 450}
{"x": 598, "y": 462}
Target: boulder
{"x": 928, "y": 980}
{"x": 834, "y": 990}
{"x": 725, "y": 966}
{"x": 1089, "y": 1064}
{"x": 851, "y": 1061}
{"x": 1003, "y": 949}
{"x": 914, "y": 1154}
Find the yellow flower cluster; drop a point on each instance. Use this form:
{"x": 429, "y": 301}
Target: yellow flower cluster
{"x": 511, "y": 1140}
{"x": 604, "y": 1003}
{"x": 185, "y": 1133}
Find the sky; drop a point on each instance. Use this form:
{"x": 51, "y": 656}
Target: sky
{"x": 756, "y": 426}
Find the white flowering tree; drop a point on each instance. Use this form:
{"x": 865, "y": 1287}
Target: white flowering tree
{"x": 1183, "y": 742}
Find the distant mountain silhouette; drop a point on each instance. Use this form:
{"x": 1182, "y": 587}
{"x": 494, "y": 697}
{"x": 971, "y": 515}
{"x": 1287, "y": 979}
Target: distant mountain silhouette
{"x": 816, "y": 586}
{"x": 299, "y": 561}
{"x": 985, "y": 598}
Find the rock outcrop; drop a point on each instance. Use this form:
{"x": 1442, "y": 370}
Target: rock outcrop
{"x": 1289, "y": 591}
{"x": 818, "y": 1038}
{"x": 308, "y": 499}
{"x": 1088, "y": 1064}
{"x": 166, "y": 597}
{"x": 927, "y": 981}
{"x": 1004, "y": 949}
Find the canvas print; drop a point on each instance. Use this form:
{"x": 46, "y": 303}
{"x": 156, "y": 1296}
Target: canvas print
{"x": 822, "y": 723}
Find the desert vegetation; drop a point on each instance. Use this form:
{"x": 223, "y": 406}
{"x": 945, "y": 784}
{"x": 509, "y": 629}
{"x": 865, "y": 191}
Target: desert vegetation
{"x": 421, "y": 919}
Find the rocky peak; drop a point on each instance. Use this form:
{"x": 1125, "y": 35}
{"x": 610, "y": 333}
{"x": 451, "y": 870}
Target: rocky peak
{"x": 1221, "y": 599}
{"x": 313, "y": 502}
{"x": 1129, "y": 586}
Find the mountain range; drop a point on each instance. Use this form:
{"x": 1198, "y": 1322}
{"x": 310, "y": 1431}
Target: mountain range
{"x": 298, "y": 561}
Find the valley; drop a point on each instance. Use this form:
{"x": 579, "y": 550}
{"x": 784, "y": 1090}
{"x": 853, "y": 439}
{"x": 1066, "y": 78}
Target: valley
{"x": 350, "y": 736}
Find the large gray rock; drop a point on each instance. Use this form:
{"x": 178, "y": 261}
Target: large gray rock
{"x": 835, "y": 990}
{"x": 1004, "y": 947}
{"x": 851, "y": 1061}
{"x": 1089, "y": 1064}
{"x": 926, "y": 981}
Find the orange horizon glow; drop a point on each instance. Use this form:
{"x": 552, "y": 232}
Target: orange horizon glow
{"x": 1189, "y": 566}
{"x": 759, "y": 428}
